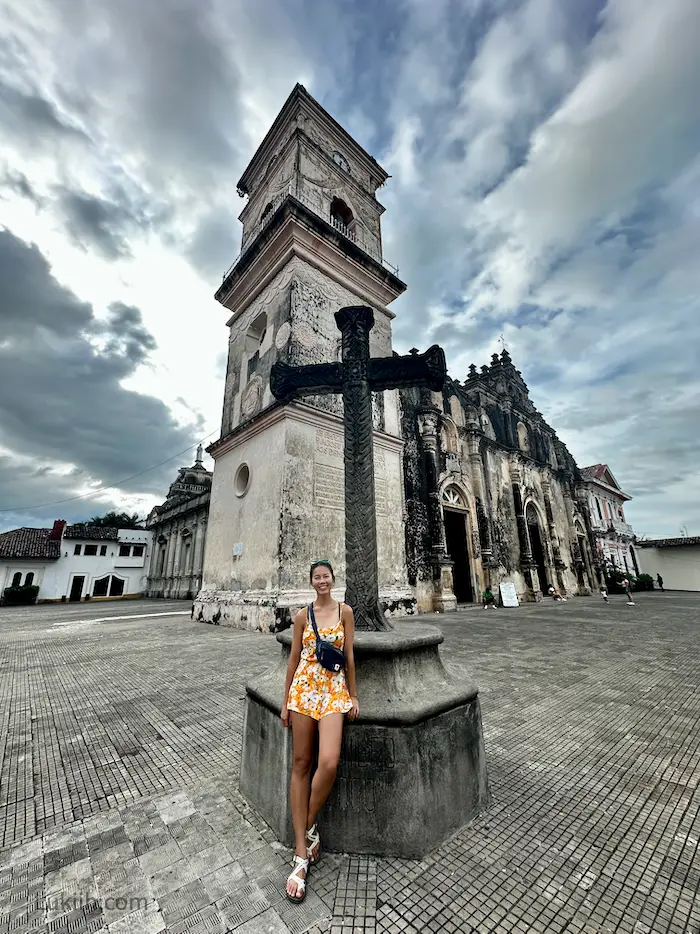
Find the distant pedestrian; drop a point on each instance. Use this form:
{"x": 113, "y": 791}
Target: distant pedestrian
{"x": 628, "y": 590}
{"x": 554, "y": 593}
{"x": 488, "y": 599}
{"x": 660, "y": 582}
{"x": 604, "y": 594}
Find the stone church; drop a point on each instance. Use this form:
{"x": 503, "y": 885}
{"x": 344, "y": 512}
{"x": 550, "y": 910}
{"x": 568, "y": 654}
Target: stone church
{"x": 472, "y": 486}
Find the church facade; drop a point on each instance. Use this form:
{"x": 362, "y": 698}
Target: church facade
{"x": 472, "y": 487}
{"x": 179, "y": 528}
{"x": 492, "y": 494}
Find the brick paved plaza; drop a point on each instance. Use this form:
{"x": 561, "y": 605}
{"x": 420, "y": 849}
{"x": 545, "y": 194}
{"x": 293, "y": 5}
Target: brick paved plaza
{"x": 121, "y": 744}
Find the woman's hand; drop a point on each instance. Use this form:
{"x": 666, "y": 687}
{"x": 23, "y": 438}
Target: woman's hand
{"x": 285, "y": 716}
{"x": 354, "y": 713}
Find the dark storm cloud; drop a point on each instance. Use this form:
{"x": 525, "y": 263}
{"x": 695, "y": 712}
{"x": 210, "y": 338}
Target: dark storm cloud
{"x": 30, "y": 116}
{"x": 214, "y": 245}
{"x": 95, "y": 222}
{"x": 19, "y": 184}
{"x": 61, "y": 371}
{"x": 107, "y": 224}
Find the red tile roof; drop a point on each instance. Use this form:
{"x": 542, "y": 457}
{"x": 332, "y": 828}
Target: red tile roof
{"x": 29, "y": 543}
{"x": 97, "y": 533}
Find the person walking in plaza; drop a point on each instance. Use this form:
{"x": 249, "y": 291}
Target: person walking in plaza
{"x": 604, "y": 593}
{"x": 628, "y": 590}
{"x": 317, "y": 696}
{"x": 660, "y": 582}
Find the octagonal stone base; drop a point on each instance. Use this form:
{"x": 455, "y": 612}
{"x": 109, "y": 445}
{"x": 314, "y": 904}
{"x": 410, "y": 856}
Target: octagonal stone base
{"x": 413, "y": 768}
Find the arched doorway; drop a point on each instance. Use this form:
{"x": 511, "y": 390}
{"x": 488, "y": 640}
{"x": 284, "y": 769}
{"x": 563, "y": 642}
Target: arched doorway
{"x": 534, "y": 529}
{"x": 455, "y": 516}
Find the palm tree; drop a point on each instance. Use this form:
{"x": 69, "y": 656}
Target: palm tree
{"x": 118, "y": 520}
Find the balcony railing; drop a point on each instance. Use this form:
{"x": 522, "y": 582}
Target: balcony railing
{"x": 348, "y": 232}
{"x": 343, "y": 229}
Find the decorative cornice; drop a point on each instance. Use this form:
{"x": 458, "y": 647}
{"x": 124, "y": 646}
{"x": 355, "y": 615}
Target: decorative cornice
{"x": 295, "y": 230}
{"x": 296, "y": 412}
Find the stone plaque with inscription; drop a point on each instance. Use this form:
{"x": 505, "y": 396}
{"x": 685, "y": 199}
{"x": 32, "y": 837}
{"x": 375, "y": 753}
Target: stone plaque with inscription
{"x": 329, "y": 486}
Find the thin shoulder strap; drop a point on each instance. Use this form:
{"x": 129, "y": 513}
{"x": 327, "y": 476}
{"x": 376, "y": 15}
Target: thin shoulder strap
{"x": 311, "y": 616}
{"x": 340, "y": 612}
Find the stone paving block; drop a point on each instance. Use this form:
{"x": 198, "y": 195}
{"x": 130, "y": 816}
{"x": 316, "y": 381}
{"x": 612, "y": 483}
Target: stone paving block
{"x": 269, "y": 922}
{"x": 161, "y": 857}
{"x": 210, "y": 859}
{"x": 172, "y": 877}
{"x": 146, "y": 920}
{"x": 226, "y": 880}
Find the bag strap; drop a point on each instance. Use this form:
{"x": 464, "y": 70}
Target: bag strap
{"x": 313, "y": 621}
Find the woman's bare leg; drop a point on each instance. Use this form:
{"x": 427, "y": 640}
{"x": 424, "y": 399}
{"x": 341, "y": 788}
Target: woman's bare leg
{"x": 303, "y": 737}
{"x": 330, "y": 736}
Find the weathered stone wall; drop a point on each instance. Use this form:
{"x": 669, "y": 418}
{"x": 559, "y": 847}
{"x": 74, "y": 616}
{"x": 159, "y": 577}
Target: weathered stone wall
{"x": 500, "y": 466}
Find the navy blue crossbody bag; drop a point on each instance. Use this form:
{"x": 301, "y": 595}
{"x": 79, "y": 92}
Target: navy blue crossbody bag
{"x": 330, "y": 657}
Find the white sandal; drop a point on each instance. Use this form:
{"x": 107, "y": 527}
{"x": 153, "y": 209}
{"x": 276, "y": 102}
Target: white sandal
{"x": 299, "y": 864}
{"x": 313, "y": 840}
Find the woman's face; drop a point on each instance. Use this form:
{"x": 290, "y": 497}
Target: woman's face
{"x": 322, "y": 579}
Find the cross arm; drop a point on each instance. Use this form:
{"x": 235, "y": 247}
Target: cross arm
{"x": 287, "y": 382}
{"x": 427, "y": 369}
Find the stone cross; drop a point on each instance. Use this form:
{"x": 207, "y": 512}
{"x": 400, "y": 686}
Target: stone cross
{"x": 356, "y": 378}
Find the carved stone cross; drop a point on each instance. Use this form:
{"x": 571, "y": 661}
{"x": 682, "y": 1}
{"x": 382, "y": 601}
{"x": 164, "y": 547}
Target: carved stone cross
{"x": 356, "y": 378}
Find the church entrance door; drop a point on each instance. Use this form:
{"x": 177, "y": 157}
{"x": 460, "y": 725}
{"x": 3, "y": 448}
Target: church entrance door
{"x": 537, "y": 546}
{"x": 458, "y": 550}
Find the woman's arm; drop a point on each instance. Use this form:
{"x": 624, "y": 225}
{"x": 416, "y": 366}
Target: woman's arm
{"x": 349, "y": 649}
{"x": 294, "y": 656}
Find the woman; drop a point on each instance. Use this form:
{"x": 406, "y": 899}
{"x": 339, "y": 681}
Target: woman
{"x": 316, "y": 701}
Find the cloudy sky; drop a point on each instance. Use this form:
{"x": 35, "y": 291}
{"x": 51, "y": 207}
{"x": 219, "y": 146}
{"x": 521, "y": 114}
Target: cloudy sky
{"x": 545, "y": 163}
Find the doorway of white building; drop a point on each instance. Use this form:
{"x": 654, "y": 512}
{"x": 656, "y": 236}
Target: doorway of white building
{"x": 76, "y": 588}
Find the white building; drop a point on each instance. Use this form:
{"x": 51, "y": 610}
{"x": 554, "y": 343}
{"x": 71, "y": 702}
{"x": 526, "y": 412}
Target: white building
{"x": 677, "y": 560}
{"x": 76, "y": 562}
{"x": 614, "y": 536}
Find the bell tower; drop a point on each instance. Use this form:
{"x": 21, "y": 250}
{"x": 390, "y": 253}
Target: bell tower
{"x": 311, "y": 244}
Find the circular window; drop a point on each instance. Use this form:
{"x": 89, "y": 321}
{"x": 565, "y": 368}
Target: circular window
{"x": 242, "y": 481}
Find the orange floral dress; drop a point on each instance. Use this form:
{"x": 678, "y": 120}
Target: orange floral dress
{"x": 315, "y": 691}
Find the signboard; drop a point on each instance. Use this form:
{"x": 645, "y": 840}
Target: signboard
{"x": 508, "y": 595}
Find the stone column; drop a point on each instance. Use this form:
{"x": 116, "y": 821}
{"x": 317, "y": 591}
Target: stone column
{"x": 176, "y": 563}
{"x": 170, "y": 560}
{"x": 443, "y": 593}
{"x": 526, "y": 560}
{"x": 198, "y": 556}
{"x": 483, "y": 519}
{"x": 559, "y": 564}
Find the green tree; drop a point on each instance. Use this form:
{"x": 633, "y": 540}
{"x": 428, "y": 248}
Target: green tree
{"x": 118, "y": 520}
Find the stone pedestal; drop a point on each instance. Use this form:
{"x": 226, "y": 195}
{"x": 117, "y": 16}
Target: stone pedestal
{"x": 413, "y": 768}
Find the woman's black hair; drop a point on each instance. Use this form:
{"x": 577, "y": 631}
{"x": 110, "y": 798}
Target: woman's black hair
{"x": 321, "y": 564}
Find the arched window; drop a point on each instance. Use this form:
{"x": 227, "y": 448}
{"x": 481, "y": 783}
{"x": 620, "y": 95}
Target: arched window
{"x": 523, "y": 439}
{"x": 253, "y": 341}
{"x": 266, "y": 213}
{"x": 452, "y": 498}
{"x": 17, "y": 579}
{"x": 342, "y": 217}
{"x": 29, "y": 579}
